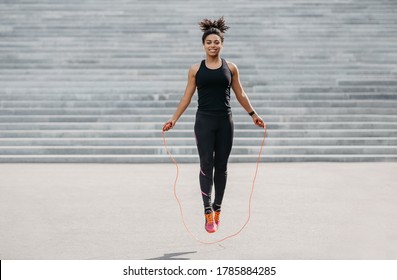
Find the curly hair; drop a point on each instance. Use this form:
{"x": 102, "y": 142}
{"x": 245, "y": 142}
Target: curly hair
{"x": 217, "y": 27}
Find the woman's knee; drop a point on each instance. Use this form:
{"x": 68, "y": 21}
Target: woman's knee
{"x": 221, "y": 168}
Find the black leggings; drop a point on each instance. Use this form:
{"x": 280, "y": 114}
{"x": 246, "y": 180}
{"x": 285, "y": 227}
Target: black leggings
{"x": 214, "y": 139}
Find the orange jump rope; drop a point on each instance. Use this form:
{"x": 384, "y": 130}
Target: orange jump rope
{"x": 249, "y": 202}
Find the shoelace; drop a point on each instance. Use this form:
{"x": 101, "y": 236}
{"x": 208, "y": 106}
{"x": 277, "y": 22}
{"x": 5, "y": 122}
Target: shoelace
{"x": 216, "y": 216}
{"x": 209, "y": 218}
{"x": 249, "y": 202}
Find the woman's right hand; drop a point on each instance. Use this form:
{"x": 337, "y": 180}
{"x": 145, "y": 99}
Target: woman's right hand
{"x": 168, "y": 125}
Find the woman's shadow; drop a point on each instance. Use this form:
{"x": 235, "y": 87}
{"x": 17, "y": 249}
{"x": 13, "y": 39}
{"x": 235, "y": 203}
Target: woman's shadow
{"x": 173, "y": 256}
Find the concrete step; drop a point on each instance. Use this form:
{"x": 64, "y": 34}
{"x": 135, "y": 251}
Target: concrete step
{"x": 132, "y": 73}
{"x": 173, "y": 104}
{"x": 324, "y": 89}
{"x": 304, "y": 133}
{"x": 192, "y": 150}
{"x": 191, "y": 158}
{"x": 307, "y": 97}
{"x": 237, "y": 117}
{"x": 89, "y": 84}
{"x": 190, "y": 125}
{"x": 190, "y": 111}
{"x": 151, "y": 89}
{"x": 188, "y": 141}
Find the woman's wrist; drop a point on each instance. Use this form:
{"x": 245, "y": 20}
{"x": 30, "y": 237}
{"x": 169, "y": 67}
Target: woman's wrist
{"x": 252, "y": 113}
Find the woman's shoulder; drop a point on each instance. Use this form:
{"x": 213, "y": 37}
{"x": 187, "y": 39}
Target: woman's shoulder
{"x": 232, "y": 66}
{"x": 194, "y": 68}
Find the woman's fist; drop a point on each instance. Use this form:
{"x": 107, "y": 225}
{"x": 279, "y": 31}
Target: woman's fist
{"x": 168, "y": 125}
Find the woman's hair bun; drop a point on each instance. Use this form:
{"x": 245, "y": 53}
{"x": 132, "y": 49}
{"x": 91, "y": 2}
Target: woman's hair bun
{"x": 207, "y": 24}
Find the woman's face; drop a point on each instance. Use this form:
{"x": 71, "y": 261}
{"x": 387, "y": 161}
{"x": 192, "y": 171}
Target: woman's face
{"x": 213, "y": 45}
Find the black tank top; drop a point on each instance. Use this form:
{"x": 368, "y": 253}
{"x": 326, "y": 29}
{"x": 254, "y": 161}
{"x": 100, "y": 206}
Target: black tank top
{"x": 213, "y": 87}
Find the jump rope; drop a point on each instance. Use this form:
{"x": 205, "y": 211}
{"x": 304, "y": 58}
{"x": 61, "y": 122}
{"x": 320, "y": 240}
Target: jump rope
{"x": 249, "y": 201}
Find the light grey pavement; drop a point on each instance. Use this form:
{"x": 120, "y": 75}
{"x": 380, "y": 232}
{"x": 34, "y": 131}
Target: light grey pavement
{"x": 127, "y": 211}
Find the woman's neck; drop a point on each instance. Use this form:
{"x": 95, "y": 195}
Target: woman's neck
{"x": 213, "y": 62}
{"x": 213, "y": 59}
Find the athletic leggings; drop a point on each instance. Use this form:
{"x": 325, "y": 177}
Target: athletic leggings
{"x": 214, "y": 139}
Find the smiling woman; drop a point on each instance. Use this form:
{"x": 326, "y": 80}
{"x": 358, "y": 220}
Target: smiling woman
{"x": 213, "y": 78}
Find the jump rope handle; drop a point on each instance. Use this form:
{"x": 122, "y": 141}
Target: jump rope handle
{"x": 168, "y": 125}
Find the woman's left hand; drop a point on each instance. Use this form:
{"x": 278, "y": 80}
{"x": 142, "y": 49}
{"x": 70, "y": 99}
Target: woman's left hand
{"x": 258, "y": 121}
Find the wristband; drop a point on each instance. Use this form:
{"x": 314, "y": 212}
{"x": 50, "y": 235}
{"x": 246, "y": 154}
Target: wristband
{"x": 252, "y": 113}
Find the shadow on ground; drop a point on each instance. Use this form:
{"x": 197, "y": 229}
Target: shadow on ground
{"x": 173, "y": 256}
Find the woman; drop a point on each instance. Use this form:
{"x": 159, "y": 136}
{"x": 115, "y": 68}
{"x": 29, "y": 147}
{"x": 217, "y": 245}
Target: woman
{"x": 213, "y": 128}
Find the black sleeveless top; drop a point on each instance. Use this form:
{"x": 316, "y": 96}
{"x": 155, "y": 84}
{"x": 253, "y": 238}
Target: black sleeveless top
{"x": 213, "y": 87}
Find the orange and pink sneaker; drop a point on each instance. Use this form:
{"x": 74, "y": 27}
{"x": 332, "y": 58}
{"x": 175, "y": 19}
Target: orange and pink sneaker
{"x": 217, "y": 217}
{"x": 210, "y": 225}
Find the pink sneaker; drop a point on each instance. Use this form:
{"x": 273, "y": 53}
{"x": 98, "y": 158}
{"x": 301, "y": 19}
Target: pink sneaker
{"x": 210, "y": 225}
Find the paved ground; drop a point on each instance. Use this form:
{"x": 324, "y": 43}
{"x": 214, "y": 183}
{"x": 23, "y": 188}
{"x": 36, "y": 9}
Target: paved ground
{"x": 299, "y": 211}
